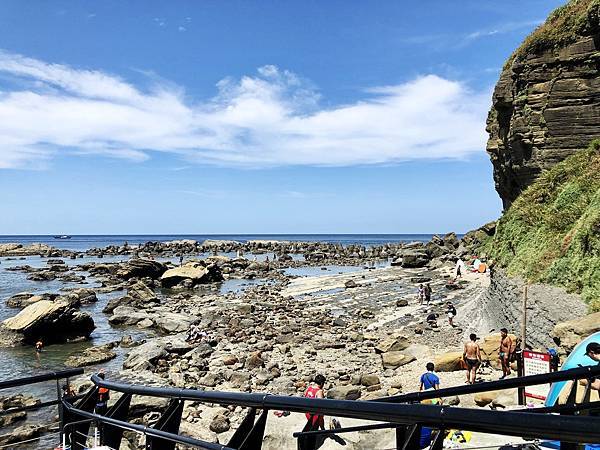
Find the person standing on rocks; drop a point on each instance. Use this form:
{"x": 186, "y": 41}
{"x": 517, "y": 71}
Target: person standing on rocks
{"x": 451, "y": 313}
{"x": 427, "y": 293}
{"x": 314, "y": 421}
{"x": 429, "y": 380}
{"x": 421, "y": 293}
{"x": 472, "y": 358}
{"x": 102, "y": 397}
{"x": 506, "y": 348}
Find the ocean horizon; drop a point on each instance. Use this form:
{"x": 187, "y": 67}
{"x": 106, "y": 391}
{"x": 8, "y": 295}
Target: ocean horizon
{"x": 86, "y": 241}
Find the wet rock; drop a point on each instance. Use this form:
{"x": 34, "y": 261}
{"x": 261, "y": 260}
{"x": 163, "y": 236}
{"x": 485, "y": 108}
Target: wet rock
{"x": 141, "y": 268}
{"x": 23, "y": 299}
{"x": 43, "y": 275}
{"x": 402, "y": 302}
{"x": 139, "y": 290}
{"x": 54, "y": 322}
{"x": 194, "y": 273}
{"x": 85, "y": 295}
{"x": 10, "y": 419}
{"x": 91, "y": 356}
{"x": 22, "y": 433}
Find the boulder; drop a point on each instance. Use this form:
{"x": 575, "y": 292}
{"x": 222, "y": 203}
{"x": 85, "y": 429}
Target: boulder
{"x": 369, "y": 380}
{"x": 125, "y": 315}
{"x": 414, "y": 259}
{"x": 392, "y": 360}
{"x": 490, "y": 348}
{"x": 140, "y": 268}
{"x": 568, "y": 334}
{"x": 145, "y": 356}
{"x": 170, "y": 322}
{"x": 448, "y": 362}
{"x": 85, "y": 295}
{"x": 91, "y": 356}
{"x": 392, "y": 343}
{"x": 22, "y": 433}
{"x": 54, "y": 322}
{"x": 344, "y": 392}
{"x": 219, "y": 424}
{"x": 402, "y": 302}
{"x": 350, "y": 284}
{"x": 254, "y": 360}
{"x": 140, "y": 291}
{"x": 23, "y": 299}
{"x": 195, "y": 272}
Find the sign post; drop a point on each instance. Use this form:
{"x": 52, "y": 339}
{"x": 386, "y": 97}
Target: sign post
{"x": 536, "y": 363}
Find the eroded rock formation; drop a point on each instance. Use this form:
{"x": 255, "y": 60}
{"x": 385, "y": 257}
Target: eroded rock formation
{"x": 546, "y": 105}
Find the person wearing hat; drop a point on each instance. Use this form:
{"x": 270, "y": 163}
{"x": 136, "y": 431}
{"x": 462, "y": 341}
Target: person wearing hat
{"x": 472, "y": 358}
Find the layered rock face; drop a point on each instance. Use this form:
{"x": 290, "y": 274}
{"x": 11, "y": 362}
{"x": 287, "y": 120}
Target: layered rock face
{"x": 546, "y": 105}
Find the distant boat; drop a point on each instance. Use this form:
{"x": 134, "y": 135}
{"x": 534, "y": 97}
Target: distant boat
{"x": 64, "y": 236}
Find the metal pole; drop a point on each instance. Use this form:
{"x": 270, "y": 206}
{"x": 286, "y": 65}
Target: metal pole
{"x": 520, "y": 359}
{"x": 60, "y": 410}
{"x": 524, "y": 319}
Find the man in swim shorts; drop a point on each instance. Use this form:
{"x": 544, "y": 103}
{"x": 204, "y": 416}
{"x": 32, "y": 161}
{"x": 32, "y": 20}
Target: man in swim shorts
{"x": 506, "y": 348}
{"x": 472, "y": 358}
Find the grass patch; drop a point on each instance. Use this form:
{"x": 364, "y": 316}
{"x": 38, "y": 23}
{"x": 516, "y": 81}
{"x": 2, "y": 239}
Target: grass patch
{"x": 551, "y": 233}
{"x": 563, "y": 26}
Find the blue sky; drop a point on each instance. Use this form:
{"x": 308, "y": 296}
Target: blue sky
{"x": 250, "y": 117}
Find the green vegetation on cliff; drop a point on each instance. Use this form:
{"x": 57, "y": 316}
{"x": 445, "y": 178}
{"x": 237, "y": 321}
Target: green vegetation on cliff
{"x": 551, "y": 233}
{"x": 564, "y": 26}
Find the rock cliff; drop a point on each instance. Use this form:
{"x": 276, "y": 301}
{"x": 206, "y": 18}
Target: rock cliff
{"x": 546, "y": 105}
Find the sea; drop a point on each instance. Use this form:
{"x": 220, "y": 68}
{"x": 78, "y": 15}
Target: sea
{"x": 85, "y": 242}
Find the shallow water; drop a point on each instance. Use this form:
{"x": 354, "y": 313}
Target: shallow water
{"x": 331, "y": 269}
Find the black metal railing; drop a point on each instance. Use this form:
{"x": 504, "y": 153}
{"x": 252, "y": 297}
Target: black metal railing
{"x": 35, "y": 379}
{"x": 397, "y": 412}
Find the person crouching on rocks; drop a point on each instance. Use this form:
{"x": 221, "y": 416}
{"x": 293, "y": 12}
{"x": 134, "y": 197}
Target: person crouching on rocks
{"x": 314, "y": 421}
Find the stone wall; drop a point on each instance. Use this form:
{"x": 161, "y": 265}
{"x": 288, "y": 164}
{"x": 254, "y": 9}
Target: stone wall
{"x": 500, "y": 307}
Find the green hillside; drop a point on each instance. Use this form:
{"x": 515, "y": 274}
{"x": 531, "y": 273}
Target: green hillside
{"x": 564, "y": 26}
{"x": 551, "y": 233}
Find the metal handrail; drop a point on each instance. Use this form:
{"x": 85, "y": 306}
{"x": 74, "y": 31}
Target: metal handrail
{"x": 148, "y": 431}
{"x": 530, "y": 380}
{"x": 41, "y": 378}
{"x": 564, "y": 428}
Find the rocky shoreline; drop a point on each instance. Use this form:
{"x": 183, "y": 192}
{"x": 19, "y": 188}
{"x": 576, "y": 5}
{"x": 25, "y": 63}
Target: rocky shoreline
{"x": 363, "y": 329}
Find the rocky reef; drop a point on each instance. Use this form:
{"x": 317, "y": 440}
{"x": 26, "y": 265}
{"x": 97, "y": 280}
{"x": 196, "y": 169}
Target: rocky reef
{"x": 546, "y": 104}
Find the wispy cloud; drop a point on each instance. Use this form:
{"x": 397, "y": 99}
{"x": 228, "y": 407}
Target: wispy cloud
{"x": 160, "y": 22}
{"x": 505, "y": 28}
{"x": 272, "y": 118}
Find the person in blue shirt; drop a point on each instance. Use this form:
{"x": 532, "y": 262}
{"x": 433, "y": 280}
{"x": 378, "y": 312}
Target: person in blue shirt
{"x": 429, "y": 380}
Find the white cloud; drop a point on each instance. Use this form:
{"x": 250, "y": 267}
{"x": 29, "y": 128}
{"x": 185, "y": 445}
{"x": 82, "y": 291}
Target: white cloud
{"x": 273, "y": 118}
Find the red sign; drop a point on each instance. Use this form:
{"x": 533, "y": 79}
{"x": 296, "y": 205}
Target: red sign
{"x": 535, "y": 363}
